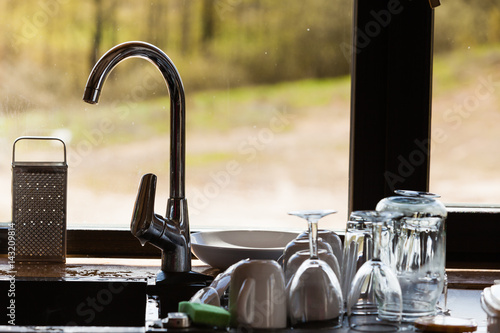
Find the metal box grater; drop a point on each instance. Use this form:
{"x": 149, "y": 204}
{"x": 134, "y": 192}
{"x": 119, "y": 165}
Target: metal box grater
{"x": 39, "y": 207}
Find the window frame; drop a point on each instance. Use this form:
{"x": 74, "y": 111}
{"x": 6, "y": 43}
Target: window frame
{"x": 391, "y": 123}
{"x": 391, "y": 100}
{"x": 391, "y": 87}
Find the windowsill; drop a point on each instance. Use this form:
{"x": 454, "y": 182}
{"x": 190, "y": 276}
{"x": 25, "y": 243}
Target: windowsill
{"x": 471, "y": 207}
{"x": 472, "y": 278}
{"x": 85, "y": 267}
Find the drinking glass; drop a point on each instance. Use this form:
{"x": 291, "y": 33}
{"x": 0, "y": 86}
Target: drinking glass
{"x": 299, "y": 257}
{"x": 358, "y": 248}
{"x": 421, "y": 248}
{"x": 374, "y": 301}
{"x": 421, "y": 265}
{"x": 314, "y": 294}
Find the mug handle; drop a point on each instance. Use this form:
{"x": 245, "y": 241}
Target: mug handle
{"x": 246, "y": 295}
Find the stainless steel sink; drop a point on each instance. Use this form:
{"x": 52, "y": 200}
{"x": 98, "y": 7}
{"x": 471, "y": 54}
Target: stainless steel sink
{"x": 73, "y": 302}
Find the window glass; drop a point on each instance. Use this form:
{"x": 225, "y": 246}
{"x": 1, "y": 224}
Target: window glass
{"x": 267, "y": 103}
{"x": 466, "y": 102}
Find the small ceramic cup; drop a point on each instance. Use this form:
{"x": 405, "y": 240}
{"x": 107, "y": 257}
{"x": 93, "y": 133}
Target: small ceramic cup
{"x": 257, "y": 296}
{"x": 490, "y": 302}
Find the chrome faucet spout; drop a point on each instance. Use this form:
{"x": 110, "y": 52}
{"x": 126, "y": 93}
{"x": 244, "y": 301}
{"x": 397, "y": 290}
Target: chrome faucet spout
{"x": 175, "y": 87}
{"x": 171, "y": 234}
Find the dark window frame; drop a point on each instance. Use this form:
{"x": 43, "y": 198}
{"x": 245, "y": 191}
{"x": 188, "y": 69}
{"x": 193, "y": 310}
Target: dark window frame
{"x": 391, "y": 122}
{"x": 390, "y": 135}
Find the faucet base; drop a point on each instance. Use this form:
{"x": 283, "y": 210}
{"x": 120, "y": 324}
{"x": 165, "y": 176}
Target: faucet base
{"x": 175, "y": 287}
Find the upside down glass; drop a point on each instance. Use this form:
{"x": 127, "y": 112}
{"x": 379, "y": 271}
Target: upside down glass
{"x": 358, "y": 245}
{"x": 358, "y": 249}
{"x": 314, "y": 294}
{"x": 374, "y": 301}
{"x": 299, "y": 257}
{"x": 421, "y": 251}
{"x": 420, "y": 267}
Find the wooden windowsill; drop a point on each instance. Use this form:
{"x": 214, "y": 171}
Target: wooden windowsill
{"x": 84, "y": 267}
{"x": 472, "y": 278}
{"x": 80, "y": 267}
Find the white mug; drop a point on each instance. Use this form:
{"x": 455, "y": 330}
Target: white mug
{"x": 257, "y": 295}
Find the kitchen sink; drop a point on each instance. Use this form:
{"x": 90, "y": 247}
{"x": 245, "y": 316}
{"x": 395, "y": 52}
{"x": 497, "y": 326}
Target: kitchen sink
{"x": 73, "y": 301}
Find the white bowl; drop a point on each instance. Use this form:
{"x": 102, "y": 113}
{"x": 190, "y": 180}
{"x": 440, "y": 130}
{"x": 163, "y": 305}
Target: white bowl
{"x": 221, "y": 249}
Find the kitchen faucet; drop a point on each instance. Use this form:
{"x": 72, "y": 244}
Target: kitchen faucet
{"x": 170, "y": 234}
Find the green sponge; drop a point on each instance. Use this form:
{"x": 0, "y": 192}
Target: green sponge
{"x": 206, "y": 314}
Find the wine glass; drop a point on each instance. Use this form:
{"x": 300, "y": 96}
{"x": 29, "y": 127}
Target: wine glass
{"x": 374, "y": 302}
{"x": 314, "y": 293}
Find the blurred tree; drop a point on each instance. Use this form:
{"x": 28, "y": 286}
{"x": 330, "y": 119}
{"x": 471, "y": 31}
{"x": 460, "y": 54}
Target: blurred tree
{"x": 97, "y": 35}
{"x": 254, "y": 42}
{"x": 186, "y": 27}
{"x": 208, "y": 23}
{"x": 111, "y": 19}
{"x": 157, "y": 31}
{"x": 494, "y": 25}
{"x": 462, "y": 23}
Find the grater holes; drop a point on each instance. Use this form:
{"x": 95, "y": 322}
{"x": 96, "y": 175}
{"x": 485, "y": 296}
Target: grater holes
{"x": 40, "y": 220}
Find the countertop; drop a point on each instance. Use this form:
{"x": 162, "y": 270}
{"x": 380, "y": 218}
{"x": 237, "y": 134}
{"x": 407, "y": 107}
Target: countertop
{"x": 465, "y": 286}
{"x": 79, "y": 267}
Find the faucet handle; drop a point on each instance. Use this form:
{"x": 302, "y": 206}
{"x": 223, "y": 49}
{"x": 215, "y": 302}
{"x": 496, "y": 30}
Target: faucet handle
{"x": 146, "y": 225}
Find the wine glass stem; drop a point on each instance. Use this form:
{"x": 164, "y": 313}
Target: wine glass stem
{"x": 313, "y": 238}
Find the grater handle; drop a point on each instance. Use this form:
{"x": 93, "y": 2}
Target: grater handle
{"x": 37, "y": 138}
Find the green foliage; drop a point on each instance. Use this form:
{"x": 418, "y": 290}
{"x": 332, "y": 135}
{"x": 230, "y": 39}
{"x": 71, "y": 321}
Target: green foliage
{"x": 462, "y": 23}
{"x": 53, "y": 44}
{"x": 47, "y": 47}
{"x": 456, "y": 69}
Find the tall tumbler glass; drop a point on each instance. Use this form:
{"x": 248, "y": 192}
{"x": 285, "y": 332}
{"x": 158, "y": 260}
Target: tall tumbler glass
{"x": 374, "y": 302}
{"x": 420, "y": 251}
{"x": 358, "y": 249}
{"x": 421, "y": 265}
